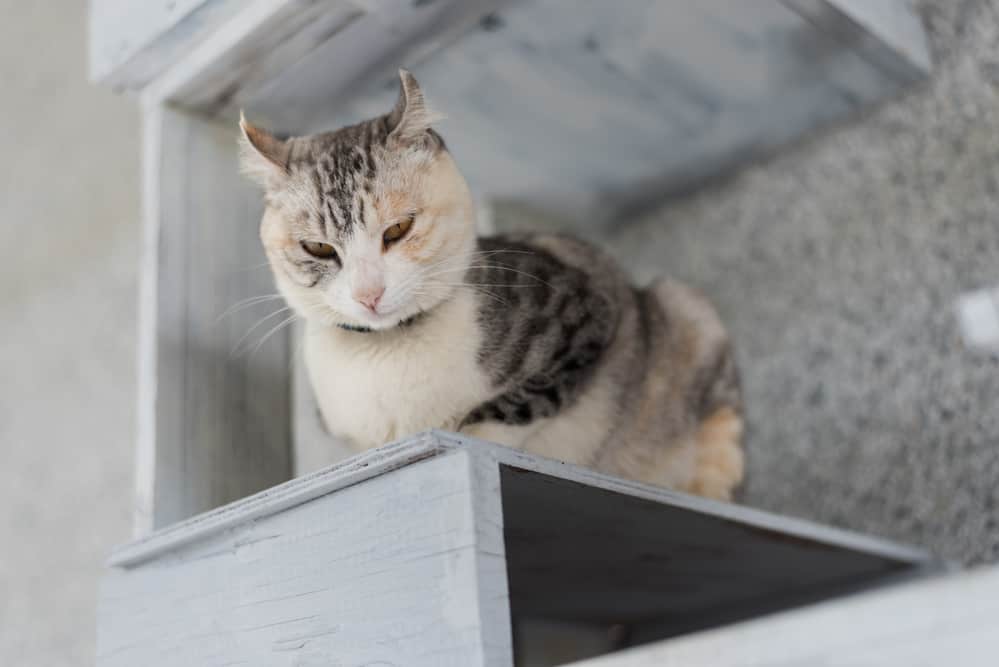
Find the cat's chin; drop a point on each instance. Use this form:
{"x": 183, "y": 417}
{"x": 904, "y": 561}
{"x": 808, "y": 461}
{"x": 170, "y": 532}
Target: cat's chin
{"x": 375, "y": 322}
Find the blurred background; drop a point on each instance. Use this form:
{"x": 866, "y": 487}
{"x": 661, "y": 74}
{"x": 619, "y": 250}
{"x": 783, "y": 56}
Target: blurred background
{"x": 837, "y": 263}
{"x": 69, "y": 231}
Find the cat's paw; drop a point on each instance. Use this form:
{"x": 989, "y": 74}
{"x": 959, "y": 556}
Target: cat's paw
{"x": 720, "y": 459}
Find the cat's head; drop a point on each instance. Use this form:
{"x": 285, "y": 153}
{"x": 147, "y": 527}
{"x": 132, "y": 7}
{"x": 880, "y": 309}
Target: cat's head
{"x": 368, "y": 226}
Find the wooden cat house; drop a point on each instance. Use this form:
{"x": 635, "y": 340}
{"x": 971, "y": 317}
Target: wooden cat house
{"x": 440, "y": 550}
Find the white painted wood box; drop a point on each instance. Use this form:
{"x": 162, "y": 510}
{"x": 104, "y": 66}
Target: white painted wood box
{"x": 441, "y": 550}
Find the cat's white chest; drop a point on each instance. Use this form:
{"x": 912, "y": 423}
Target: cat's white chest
{"x": 372, "y": 391}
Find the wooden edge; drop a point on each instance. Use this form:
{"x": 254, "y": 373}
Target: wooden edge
{"x": 433, "y": 443}
{"x": 146, "y": 350}
{"x": 888, "y": 34}
{"x": 737, "y": 513}
{"x": 227, "y": 36}
{"x": 139, "y": 40}
{"x": 396, "y": 31}
{"x": 493, "y": 593}
{"x": 281, "y": 497}
{"x": 944, "y": 620}
{"x": 896, "y": 23}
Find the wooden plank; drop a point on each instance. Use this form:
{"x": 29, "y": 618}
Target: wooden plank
{"x": 214, "y": 421}
{"x": 274, "y": 58}
{"x": 551, "y": 541}
{"x": 579, "y": 553}
{"x": 249, "y": 55}
{"x": 277, "y": 499}
{"x": 386, "y": 572}
{"x": 434, "y": 443}
{"x": 887, "y": 34}
{"x": 614, "y": 106}
{"x": 944, "y": 621}
{"x": 895, "y": 24}
{"x": 132, "y": 42}
{"x": 493, "y": 608}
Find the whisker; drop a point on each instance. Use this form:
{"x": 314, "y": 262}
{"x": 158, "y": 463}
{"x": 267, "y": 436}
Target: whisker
{"x": 256, "y": 326}
{"x": 252, "y": 267}
{"x": 273, "y": 331}
{"x": 247, "y": 303}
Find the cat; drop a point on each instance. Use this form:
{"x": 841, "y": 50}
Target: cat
{"x": 537, "y": 342}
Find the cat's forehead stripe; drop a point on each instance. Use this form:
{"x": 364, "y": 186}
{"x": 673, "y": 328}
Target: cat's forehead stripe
{"x": 344, "y": 169}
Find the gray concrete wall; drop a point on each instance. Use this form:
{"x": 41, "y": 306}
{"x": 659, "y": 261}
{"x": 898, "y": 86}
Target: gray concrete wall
{"x": 837, "y": 266}
{"x": 69, "y": 208}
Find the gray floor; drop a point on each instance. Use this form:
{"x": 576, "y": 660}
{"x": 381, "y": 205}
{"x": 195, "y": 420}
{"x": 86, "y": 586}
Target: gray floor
{"x": 836, "y": 265}
{"x": 68, "y": 239}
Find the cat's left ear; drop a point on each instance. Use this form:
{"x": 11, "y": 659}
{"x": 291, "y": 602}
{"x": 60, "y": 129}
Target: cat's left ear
{"x": 262, "y": 156}
{"x": 411, "y": 119}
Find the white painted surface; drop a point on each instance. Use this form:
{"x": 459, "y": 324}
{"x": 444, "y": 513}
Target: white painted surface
{"x": 435, "y": 443}
{"x": 132, "y": 42}
{"x": 978, "y": 315}
{"x": 402, "y": 556}
{"x": 215, "y": 419}
{"x": 383, "y": 573}
{"x": 588, "y": 110}
{"x": 579, "y": 107}
{"x": 945, "y": 621}
{"x": 279, "y": 498}
{"x": 896, "y": 22}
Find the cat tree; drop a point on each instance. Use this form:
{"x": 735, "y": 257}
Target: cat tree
{"x": 435, "y": 550}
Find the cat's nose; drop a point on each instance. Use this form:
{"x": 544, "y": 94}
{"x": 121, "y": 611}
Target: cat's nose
{"x": 369, "y": 298}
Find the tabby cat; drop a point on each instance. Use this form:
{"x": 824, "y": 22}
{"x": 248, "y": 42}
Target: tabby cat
{"x": 534, "y": 341}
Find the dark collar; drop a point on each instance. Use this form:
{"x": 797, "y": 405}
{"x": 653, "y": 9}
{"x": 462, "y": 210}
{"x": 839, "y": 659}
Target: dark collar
{"x": 359, "y": 329}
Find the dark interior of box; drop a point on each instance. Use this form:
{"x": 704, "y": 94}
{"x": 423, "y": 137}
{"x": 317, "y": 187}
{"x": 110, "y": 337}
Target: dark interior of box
{"x": 591, "y": 571}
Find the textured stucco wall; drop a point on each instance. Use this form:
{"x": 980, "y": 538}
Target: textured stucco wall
{"x": 837, "y": 266}
{"x": 69, "y": 208}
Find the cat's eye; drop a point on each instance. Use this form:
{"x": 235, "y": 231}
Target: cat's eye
{"x": 320, "y": 250}
{"x": 397, "y": 231}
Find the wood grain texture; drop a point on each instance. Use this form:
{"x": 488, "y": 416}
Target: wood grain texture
{"x": 215, "y": 420}
{"x": 381, "y": 573}
{"x": 276, "y": 499}
{"x": 133, "y": 42}
{"x": 592, "y": 111}
{"x": 944, "y": 621}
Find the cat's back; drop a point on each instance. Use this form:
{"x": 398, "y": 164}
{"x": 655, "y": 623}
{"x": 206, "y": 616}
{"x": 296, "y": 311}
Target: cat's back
{"x": 658, "y": 401}
{"x": 543, "y": 255}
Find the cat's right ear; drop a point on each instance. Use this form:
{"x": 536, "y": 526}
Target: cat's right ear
{"x": 262, "y": 156}
{"x": 411, "y": 118}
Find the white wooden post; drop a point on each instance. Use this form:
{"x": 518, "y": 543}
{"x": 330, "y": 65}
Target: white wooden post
{"x": 214, "y": 422}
